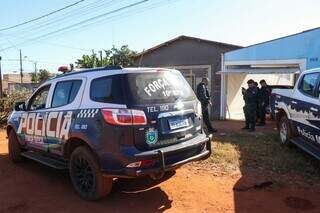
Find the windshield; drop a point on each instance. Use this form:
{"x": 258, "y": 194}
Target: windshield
{"x": 159, "y": 87}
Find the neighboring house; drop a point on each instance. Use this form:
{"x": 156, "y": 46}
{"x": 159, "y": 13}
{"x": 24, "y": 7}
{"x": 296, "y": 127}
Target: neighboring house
{"x": 14, "y": 79}
{"x": 194, "y": 57}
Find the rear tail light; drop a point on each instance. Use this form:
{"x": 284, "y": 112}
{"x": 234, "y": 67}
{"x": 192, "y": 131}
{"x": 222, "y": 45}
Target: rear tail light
{"x": 141, "y": 164}
{"x": 124, "y": 117}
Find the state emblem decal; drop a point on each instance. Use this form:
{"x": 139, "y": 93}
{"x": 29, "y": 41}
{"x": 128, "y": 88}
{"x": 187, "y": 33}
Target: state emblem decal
{"x": 151, "y": 136}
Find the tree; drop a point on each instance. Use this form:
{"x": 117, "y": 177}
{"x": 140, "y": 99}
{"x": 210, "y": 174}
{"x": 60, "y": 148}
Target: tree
{"x": 34, "y": 77}
{"x": 113, "y": 57}
{"x": 122, "y": 57}
{"x": 87, "y": 61}
{"x": 43, "y": 75}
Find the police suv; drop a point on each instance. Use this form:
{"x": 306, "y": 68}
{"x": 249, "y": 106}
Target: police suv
{"x": 297, "y": 112}
{"x": 110, "y": 122}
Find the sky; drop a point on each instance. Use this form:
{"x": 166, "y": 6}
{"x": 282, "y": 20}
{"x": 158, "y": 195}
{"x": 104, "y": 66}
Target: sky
{"x": 59, "y": 39}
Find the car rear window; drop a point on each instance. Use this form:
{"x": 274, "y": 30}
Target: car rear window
{"x": 159, "y": 87}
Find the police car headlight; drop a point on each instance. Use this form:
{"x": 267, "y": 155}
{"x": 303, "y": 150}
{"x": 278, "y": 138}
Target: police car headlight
{"x": 198, "y": 109}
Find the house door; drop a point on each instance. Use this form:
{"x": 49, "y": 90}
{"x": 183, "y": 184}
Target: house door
{"x": 194, "y": 75}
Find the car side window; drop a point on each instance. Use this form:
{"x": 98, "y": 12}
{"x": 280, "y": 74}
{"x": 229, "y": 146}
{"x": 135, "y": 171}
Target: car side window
{"x": 65, "y": 92}
{"x": 108, "y": 89}
{"x": 309, "y": 83}
{"x": 38, "y": 100}
{"x": 100, "y": 89}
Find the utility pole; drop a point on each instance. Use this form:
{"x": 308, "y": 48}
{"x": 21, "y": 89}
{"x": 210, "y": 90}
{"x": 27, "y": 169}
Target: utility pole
{"x": 35, "y": 71}
{"x": 1, "y": 94}
{"x": 100, "y": 52}
{"x": 94, "y": 58}
{"x": 21, "y": 74}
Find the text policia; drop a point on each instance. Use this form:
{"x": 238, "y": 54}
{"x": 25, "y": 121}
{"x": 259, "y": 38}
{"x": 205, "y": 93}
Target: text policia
{"x": 50, "y": 124}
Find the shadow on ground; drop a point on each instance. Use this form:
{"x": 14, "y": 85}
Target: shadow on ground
{"x": 270, "y": 173}
{"x": 32, "y": 187}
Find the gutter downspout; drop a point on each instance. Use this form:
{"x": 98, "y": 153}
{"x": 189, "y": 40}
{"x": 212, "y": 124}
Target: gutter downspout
{"x": 223, "y": 90}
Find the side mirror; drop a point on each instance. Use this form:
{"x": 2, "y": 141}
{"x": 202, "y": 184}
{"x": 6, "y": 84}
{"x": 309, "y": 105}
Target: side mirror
{"x": 20, "y": 106}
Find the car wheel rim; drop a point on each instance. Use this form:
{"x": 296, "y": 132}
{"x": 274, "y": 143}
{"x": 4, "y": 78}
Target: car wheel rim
{"x": 283, "y": 132}
{"x": 83, "y": 174}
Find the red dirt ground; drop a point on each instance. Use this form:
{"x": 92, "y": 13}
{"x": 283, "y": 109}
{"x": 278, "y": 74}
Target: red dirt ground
{"x": 31, "y": 187}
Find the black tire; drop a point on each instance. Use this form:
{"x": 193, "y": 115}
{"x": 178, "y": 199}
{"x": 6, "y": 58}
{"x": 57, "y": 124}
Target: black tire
{"x": 14, "y": 148}
{"x": 285, "y": 130}
{"x": 86, "y": 175}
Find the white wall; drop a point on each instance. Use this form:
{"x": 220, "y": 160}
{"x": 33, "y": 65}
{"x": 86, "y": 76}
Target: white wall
{"x": 235, "y": 100}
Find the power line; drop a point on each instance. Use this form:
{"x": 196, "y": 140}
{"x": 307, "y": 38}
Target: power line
{"x": 40, "y": 17}
{"x": 126, "y": 15}
{"x": 95, "y": 17}
{"x": 122, "y": 15}
{"x": 79, "y": 23}
{"x": 115, "y": 17}
{"x": 26, "y": 60}
{"x": 41, "y": 26}
{"x": 81, "y": 12}
{"x": 48, "y": 43}
{"x": 63, "y": 17}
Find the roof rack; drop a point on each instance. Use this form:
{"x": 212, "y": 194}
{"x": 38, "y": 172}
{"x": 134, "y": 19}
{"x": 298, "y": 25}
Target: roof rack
{"x": 73, "y": 72}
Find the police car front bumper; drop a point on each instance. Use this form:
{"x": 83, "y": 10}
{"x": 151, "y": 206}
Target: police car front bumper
{"x": 198, "y": 148}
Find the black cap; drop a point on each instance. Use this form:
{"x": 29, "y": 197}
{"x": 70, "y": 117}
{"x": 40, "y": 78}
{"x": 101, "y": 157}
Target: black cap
{"x": 250, "y": 81}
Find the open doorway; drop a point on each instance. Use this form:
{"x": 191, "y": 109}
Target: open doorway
{"x": 235, "y": 82}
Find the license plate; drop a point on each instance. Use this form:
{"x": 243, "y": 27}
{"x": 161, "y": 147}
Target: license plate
{"x": 178, "y": 123}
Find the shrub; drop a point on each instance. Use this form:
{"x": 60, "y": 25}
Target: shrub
{"x": 7, "y": 104}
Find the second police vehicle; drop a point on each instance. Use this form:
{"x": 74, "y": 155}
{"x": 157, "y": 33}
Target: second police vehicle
{"x": 110, "y": 122}
{"x": 297, "y": 112}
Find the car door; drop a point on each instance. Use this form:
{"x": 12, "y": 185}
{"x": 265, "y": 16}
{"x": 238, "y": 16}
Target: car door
{"x": 65, "y": 99}
{"x": 306, "y": 107}
{"x": 34, "y": 121}
{"x": 314, "y": 115}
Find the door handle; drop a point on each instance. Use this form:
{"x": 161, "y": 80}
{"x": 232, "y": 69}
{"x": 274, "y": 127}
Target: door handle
{"x": 313, "y": 109}
{"x": 294, "y": 102}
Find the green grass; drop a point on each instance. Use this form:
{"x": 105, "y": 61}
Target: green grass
{"x": 263, "y": 152}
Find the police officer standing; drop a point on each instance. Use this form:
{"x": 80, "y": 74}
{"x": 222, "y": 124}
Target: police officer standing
{"x": 204, "y": 98}
{"x": 250, "y": 107}
{"x": 257, "y": 109}
{"x": 263, "y": 101}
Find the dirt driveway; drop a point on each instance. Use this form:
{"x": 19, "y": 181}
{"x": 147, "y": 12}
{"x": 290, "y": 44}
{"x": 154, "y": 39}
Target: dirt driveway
{"x": 31, "y": 187}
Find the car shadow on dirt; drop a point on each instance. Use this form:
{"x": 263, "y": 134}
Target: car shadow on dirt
{"x": 269, "y": 173}
{"x": 32, "y": 187}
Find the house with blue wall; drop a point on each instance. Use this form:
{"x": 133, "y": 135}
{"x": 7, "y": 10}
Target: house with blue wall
{"x": 277, "y": 61}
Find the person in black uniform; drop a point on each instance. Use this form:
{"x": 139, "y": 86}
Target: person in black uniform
{"x": 263, "y": 101}
{"x": 204, "y": 98}
{"x": 250, "y": 107}
{"x": 257, "y": 110}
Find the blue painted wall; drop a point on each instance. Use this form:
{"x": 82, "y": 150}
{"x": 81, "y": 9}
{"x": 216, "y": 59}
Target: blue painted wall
{"x": 304, "y": 45}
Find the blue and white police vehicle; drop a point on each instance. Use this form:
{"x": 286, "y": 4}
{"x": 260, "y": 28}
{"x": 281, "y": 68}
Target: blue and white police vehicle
{"x": 110, "y": 122}
{"x": 297, "y": 112}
